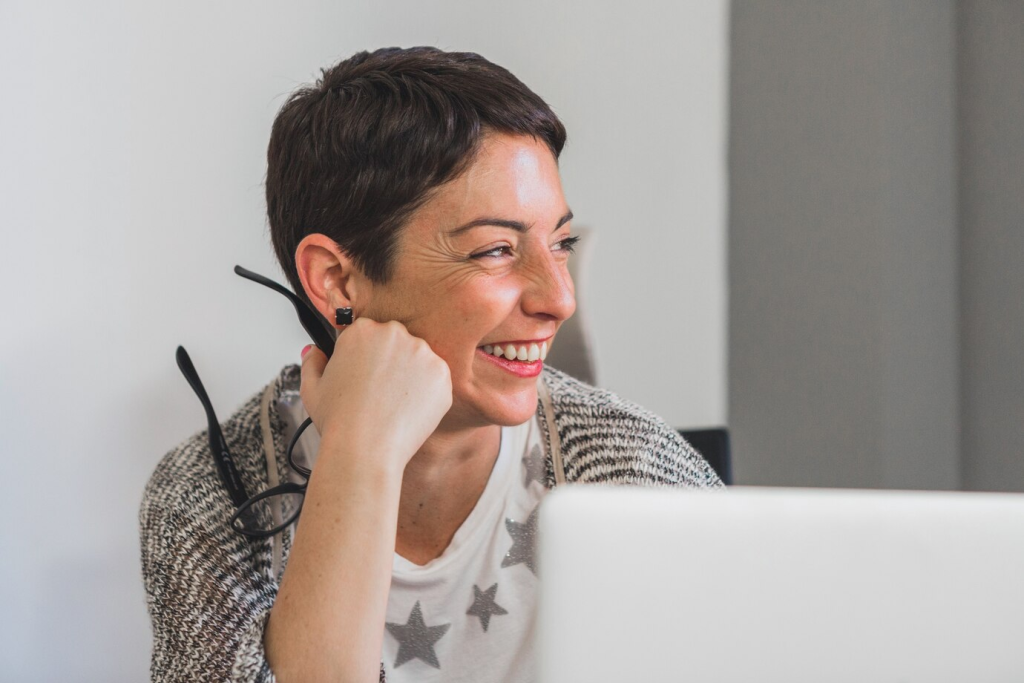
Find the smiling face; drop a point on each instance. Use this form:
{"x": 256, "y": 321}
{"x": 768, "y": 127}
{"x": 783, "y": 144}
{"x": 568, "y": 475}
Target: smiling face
{"x": 483, "y": 263}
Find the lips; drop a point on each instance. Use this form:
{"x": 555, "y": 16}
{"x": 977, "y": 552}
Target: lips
{"x": 516, "y": 367}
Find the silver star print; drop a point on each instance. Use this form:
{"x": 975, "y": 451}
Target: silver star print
{"x": 534, "y": 464}
{"x": 484, "y": 606}
{"x": 416, "y": 639}
{"x": 522, "y": 534}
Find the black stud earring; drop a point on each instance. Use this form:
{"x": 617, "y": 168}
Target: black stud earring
{"x": 343, "y": 316}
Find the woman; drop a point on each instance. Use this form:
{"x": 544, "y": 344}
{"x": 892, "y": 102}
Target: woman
{"x": 420, "y": 189}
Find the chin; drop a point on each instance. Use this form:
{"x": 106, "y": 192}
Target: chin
{"x": 509, "y": 409}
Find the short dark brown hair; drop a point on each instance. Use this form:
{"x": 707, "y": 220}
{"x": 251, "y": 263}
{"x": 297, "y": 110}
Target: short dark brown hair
{"x": 355, "y": 154}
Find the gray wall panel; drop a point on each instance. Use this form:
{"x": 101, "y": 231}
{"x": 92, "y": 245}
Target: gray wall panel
{"x": 991, "y": 82}
{"x": 843, "y": 358}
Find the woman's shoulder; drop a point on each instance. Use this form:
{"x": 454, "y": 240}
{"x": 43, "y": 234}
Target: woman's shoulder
{"x": 606, "y": 438}
{"x": 208, "y": 588}
{"x": 576, "y": 399}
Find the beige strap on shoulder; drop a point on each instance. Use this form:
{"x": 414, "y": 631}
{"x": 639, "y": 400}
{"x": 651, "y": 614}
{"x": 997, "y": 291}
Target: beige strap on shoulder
{"x": 556, "y": 441}
{"x": 272, "y": 478}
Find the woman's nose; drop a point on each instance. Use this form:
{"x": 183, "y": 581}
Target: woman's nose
{"x": 550, "y": 290}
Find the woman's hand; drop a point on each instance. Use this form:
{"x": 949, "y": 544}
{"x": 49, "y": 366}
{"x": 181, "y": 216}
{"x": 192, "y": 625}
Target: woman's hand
{"x": 383, "y": 392}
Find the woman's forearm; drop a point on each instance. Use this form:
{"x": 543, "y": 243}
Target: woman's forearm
{"x": 327, "y": 622}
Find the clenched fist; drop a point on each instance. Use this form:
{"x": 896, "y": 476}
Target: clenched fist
{"x": 383, "y": 391}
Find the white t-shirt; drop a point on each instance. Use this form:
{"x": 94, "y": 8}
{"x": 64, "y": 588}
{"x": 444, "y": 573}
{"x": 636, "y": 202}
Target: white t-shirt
{"x": 470, "y": 614}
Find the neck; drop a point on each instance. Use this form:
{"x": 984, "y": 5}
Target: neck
{"x": 449, "y": 451}
{"x": 441, "y": 485}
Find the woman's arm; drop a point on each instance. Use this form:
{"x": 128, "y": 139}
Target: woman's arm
{"x": 209, "y": 590}
{"x": 383, "y": 393}
{"x": 328, "y": 621}
{"x": 210, "y": 594}
{"x": 207, "y": 602}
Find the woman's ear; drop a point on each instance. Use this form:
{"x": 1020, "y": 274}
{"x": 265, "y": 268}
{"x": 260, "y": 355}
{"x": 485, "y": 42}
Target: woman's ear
{"x": 328, "y": 275}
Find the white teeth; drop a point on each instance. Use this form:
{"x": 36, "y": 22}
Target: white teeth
{"x": 528, "y": 353}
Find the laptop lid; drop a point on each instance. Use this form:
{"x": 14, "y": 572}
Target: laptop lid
{"x": 786, "y": 585}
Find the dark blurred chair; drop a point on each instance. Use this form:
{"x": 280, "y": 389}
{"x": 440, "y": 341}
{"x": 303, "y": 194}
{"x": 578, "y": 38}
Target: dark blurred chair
{"x": 713, "y": 444}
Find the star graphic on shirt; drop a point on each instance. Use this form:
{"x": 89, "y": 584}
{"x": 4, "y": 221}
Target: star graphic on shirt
{"x": 522, "y": 534}
{"x": 416, "y": 639}
{"x": 534, "y": 464}
{"x": 484, "y": 606}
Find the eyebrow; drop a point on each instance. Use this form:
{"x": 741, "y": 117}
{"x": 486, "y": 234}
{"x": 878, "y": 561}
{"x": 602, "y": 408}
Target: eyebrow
{"x": 518, "y": 226}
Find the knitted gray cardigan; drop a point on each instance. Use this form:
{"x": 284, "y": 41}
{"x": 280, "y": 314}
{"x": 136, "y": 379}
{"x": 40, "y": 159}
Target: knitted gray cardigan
{"x": 209, "y": 589}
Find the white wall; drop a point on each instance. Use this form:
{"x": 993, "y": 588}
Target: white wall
{"x": 131, "y": 166}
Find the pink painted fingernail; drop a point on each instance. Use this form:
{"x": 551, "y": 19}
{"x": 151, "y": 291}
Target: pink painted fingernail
{"x": 305, "y": 350}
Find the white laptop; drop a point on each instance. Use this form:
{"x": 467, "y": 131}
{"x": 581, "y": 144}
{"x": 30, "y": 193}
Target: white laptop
{"x": 765, "y": 585}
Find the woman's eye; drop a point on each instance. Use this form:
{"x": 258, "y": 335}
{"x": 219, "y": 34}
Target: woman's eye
{"x": 497, "y": 251}
{"x": 568, "y": 244}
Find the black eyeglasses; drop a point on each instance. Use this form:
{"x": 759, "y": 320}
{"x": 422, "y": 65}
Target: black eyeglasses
{"x": 254, "y": 516}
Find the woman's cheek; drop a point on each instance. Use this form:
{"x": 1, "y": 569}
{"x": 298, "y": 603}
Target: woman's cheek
{"x": 502, "y": 297}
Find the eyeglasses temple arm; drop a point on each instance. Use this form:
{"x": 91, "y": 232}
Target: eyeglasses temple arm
{"x": 311, "y": 321}
{"x": 218, "y": 445}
